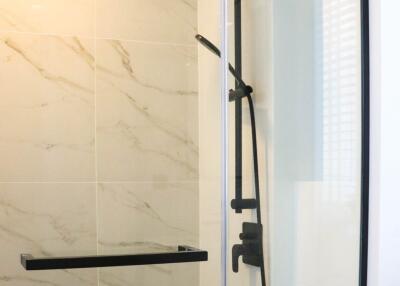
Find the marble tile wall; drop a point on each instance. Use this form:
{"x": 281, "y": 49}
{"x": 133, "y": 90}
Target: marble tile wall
{"x": 146, "y": 112}
{"x": 157, "y": 215}
{"x": 46, "y": 219}
{"x": 98, "y": 136}
{"x": 47, "y": 108}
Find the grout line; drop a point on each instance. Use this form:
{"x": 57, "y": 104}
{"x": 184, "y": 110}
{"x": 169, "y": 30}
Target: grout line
{"x": 95, "y": 139}
{"x": 47, "y": 182}
{"x": 149, "y": 182}
{"x": 99, "y": 182}
{"x": 149, "y": 42}
{"x": 101, "y": 38}
{"x": 45, "y": 34}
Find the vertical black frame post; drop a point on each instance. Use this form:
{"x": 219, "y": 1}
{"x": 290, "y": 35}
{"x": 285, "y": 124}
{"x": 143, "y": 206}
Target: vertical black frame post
{"x": 365, "y": 137}
{"x": 238, "y": 103}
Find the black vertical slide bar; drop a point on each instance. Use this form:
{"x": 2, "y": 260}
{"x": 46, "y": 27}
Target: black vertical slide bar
{"x": 238, "y": 103}
{"x": 365, "y": 101}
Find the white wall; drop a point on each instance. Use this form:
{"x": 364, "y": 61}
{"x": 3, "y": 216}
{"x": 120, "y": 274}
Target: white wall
{"x": 384, "y": 259}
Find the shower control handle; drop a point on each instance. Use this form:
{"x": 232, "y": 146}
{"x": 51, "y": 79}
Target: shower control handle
{"x": 250, "y": 248}
{"x": 237, "y": 251}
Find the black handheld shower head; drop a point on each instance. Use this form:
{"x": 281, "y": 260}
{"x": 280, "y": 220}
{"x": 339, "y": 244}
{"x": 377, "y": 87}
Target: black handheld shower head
{"x": 206, "y": 43}
{"x": 210, "y": 46}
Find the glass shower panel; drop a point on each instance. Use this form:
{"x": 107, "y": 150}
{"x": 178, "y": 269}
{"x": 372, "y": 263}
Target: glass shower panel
{"x": 120, "y": 147}
{"x": 147, "y": 129}
{"x": 316, "y": 172}
{"x": 110, "y": 143}
{"x": 296, "y": 211}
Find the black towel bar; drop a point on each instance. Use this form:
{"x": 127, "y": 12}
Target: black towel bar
{"x": 183, "y": 254}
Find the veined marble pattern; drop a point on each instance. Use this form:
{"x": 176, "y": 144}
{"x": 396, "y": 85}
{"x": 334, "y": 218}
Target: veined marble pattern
{"x": 61, "y": 17}
{"x": 172, "y": 21}
{"x": 46, "y": 219}
{"x": 147, "y": 217}
{"x": 69, "y": 101}
{"x": 146, "y": 112}
{"x": 180, "y": 274}
{"x": 46, "y": 108}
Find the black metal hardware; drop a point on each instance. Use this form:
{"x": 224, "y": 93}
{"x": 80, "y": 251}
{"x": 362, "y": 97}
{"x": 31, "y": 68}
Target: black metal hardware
{"x": 182, "y": 254}
{"x": 243, "y": 204}
{"x": 251, "y": 247}
{"x": 238, "y": 103}
{"x": 365, "y": 76}
{"x": 241, "y": 91}
{"x": 210, "y": 46}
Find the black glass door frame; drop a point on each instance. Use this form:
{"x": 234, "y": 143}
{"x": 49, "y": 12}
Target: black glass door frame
{"x": 365, "y": 137}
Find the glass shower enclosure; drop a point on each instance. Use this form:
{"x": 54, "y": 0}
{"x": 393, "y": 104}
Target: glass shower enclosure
{"x": 183, "y": 142}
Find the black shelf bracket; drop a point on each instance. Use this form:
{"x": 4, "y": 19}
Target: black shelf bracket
{"x": 182, "y": 255}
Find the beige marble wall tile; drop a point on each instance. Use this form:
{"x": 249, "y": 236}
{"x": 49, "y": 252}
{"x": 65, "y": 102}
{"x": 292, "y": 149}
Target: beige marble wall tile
{"x": 46, "y": 108}
{"x": 180, "y": 274}
{"x": 66, "y": 17}
{"x": 146, "y": 112}
{"x": 147, "y": 217}
{"x": 172, "y": 21}
{"x": 46, "y": 219}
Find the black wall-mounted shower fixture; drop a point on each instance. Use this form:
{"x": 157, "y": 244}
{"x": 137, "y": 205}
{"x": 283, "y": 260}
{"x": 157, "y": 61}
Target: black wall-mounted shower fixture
{"x": 251, "y": 248}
